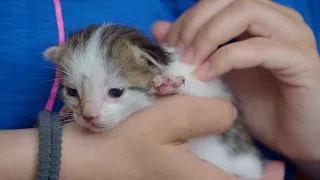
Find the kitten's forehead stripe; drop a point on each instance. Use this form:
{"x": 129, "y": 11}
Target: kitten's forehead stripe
{"x": 81, "y": 37}
{"x": 120, "y": 47}
{"x": 136, "y": 38}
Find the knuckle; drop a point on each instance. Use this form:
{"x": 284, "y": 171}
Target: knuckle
{"x": 223, "y": 58}
{"x": 244, "y": 5}
{"x": 296, "y": 15}
{"x": 257, "y": 47}
{"x": 305, "y": 34}
{"x": 227, "y": 52}
{"x": 310, "y": 36}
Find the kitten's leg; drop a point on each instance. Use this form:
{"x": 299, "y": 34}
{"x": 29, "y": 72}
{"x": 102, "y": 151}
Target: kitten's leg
{"x": 165, "y": 85}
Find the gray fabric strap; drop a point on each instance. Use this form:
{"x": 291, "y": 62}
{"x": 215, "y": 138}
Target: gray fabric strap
{"x": 50, "y": 133}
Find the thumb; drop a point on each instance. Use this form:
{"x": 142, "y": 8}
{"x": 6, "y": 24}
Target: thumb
{"x": 181, "y": 117}
{"x": 274, "y": 171}
{"x": 159, "y": 30}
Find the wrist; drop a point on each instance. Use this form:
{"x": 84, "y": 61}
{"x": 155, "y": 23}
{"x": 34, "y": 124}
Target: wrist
{"x": 87, "y": 155}
{"x": 19, "y": 153}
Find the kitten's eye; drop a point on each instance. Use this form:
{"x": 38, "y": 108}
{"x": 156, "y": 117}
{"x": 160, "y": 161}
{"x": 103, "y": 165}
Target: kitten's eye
{"x": 116, "y": 92}
{"x": 72, "y": 92}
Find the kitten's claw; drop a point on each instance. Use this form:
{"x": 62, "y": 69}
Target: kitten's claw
{"x": 165, "y": 85}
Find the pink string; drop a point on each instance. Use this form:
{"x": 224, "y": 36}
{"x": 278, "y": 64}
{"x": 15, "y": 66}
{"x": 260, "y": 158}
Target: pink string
{"x": 60, "y": 25}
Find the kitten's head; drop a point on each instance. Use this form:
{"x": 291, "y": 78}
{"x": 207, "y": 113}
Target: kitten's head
{"x": 106, "y": 73}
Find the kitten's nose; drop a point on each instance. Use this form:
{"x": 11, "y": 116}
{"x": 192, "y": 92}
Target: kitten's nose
{"x": 90, "y": 112}
{"x": 90, "y": 119}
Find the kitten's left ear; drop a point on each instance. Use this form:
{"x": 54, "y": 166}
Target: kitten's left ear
{"x": 155, "y": 56}
{"x": 52, "y": 53}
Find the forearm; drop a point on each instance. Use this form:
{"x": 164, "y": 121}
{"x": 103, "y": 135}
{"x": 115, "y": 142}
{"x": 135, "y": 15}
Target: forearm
{"x": 89, "y": 156}
{"x": 81, "y": 155}
{"x": 19, "y": 154}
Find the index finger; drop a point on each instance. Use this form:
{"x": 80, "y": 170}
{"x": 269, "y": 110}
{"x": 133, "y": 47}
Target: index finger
{"x": 255, "y": 17}
{"x": 182, "y": 117}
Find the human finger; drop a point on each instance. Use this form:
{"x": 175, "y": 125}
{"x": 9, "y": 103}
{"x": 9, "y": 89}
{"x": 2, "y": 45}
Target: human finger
{"x": 283, "y": 61}
{"x": 171, "y": 36}
{"x": 181, "y": 117}
{"x": 160, "y": 29}
{"x": 274, "y": 171}
{"x": 244, "y": 15}
{"x": 196, "y": 17}
{"x": 288, "y": 11}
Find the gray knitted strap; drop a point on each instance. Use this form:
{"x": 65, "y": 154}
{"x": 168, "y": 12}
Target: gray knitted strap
{"x": 50, "y": 133}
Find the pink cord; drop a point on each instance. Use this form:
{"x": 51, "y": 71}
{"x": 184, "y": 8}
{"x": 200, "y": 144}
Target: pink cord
{"x": 55, "y": 86}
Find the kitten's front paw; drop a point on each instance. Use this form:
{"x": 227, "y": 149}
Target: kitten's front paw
{"x": 165, "y": 85}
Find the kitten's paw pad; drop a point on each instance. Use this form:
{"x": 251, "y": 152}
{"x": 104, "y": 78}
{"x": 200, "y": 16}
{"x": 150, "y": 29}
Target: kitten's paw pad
{"x": 168, "y": 80}
{"x": 165, "y": 85}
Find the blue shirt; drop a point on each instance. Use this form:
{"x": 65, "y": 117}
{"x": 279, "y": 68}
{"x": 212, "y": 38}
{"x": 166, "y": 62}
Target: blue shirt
{"x": 28, "y": 27}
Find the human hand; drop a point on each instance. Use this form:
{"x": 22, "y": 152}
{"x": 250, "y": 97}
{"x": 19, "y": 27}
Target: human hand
{"x": 151, "y": 144}
{"x": 275, "y": 66}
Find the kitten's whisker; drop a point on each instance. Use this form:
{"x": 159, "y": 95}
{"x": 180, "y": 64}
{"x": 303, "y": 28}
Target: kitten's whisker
{"x": 67, "y": 121}
{"x": 68, "y": 124}
{"x": 53, "y": 68}
{"x": 81, "y": 128}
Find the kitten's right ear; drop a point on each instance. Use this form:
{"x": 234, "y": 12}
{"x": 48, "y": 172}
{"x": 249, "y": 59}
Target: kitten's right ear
{"x": 52, "y": 53}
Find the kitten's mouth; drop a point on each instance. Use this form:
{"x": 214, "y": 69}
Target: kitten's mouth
{"x": 92, "y": 126}
{"x": 97, "y": 126}
{"x": 68, "y": 115}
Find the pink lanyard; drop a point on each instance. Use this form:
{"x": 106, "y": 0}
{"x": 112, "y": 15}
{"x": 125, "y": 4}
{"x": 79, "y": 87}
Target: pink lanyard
{"x": 60, "y": 25}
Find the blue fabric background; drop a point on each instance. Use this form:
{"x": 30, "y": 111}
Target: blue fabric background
{"x": 28, "y": 27}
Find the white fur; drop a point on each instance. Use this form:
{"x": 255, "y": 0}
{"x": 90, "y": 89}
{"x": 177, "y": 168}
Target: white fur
{"x": 211, "y": 148}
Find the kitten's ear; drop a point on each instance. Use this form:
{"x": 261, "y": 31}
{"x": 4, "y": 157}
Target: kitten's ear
{"x": 52, "y": 53}
{"x": 157, "y": 58}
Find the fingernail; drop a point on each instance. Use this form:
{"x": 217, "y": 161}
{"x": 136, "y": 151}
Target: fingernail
{"x": 187, "y": 57}
{"x": 202, "y": 70}
{"x": 180, "y": 47}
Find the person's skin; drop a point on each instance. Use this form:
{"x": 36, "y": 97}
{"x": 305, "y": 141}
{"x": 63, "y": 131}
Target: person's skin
{"x": 273, "y": 68}
{"x": 149, "y": 145}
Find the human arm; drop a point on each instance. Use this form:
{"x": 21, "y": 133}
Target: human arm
{"x": 148, "y": 144}
{"x": 18, "y": 154}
